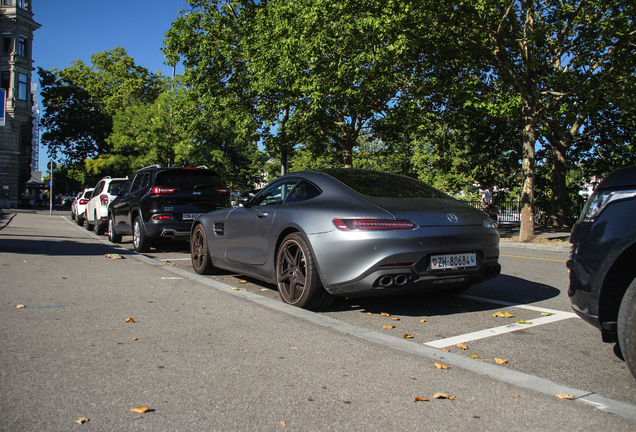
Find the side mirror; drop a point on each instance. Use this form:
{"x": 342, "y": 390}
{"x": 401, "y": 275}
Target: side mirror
{"x": 243, "y": 201}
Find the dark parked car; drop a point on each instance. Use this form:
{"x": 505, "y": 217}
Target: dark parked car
{"x": 602, "y": 271}
{"x": 161, "y": 203}
{"x": 349, "y": 232}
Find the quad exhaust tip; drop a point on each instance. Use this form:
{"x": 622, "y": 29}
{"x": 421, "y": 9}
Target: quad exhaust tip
{"x": 390, "y": 280}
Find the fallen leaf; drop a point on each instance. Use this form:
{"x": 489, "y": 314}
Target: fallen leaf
{"x": 501, "y": 361}
{"x": 462, "y": 346}
{"x": 140, "y": 410}
{"x": 242, "y": 281}
{"x": 282, "y": 423}
{"x": 114, "y": 256}
{"x": 395, "y": 319}
{"x": 369, "y": 313}
{"x": 385, "y": 314}
{"x": 130, "y": 320}
{"x": 389, "y": 326}
{"x": 515, "y": 396}
{"x": 445, "y": 349}
{"x": 474, "y": 356}
{"x": 20, "y": 306}
{"x": 407, "y": 336}
{"x": 135, "y": 339}
{"x": 7, "y": 302}
{"x": 501, "y": 314}
{"x": 565, "y": 396}
{"x": 441, "y": 366}
{"x": 419, "y": 399}
{"x": 444, "y": 396}
{"x": 294, "y": 348}
{"x": 235, "y": 289}
{"x": 545, "y": 314}
{"x": 422, "y": 320}
{"x": 522, "y": 321}
{"x": 81, "y": 420}
{"x": 64, "y": 277}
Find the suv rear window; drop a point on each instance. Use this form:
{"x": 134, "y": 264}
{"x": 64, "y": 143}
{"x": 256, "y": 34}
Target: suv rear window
{"x": 115, "y": 184}
{"x": 189, "y": 179}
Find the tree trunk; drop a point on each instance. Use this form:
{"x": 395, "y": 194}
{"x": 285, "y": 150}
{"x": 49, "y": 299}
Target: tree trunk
{"x": 347, "y": 155}
{"x": 557, "y": 203}
{"x": 526, "y": 230}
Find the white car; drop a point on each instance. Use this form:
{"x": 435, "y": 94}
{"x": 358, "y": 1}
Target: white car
{"x": 79, "y": 206}
{"x": 97, "y": 208}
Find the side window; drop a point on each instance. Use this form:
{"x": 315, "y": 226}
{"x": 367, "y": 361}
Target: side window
{"x": 303, "y": 191}
{"x": 275, "y": 194}
{"x": 137, "y": 183}
{"x": 98, "y": 189}
{"x": 145, "y": 181}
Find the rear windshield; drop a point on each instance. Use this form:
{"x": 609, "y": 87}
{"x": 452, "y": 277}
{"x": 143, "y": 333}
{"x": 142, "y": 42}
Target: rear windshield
{"x": 189, "y": 179}
{"x": 115, "y": 184}
{"x": 386, "y": 185}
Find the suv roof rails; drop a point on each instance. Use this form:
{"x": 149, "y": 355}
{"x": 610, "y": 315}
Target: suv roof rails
{"x": 203, "y": 167}
{"x": 105, "y": 177}
{"x": 151, "y": 166}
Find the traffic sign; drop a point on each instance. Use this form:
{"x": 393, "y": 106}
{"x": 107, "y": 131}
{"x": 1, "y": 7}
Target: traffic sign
{"x": 51, "y": 164}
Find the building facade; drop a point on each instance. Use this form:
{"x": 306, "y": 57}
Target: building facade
{"x": 16, "y": 69}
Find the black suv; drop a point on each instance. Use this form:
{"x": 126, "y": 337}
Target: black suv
{"x": 161, "y": 203}
{"x": 602, "y": 262}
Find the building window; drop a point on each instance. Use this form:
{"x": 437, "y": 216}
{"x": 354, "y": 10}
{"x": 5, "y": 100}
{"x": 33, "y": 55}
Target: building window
{"x": 22, "y": 86}
{"x": 8, "y": 2}
{"x": 6, "y": 43}
{"x": 22, "y": 46}
{"x": 5, "y": 80}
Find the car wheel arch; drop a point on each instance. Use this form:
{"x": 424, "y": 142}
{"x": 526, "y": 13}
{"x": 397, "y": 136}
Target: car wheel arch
{"x": 281, "y": 237}
{"x": 617, "y": 280}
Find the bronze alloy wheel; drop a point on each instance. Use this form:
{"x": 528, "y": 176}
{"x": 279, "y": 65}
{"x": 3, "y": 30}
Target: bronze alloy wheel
{"x": 200, "y": 254}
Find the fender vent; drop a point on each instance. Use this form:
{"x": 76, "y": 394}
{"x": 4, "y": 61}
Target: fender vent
{"x": 219, "y": 229}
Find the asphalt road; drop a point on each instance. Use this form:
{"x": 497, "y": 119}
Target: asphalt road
{"x": 224, "y": 353}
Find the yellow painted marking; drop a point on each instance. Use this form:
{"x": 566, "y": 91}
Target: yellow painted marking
{"x": 540, "y": 259}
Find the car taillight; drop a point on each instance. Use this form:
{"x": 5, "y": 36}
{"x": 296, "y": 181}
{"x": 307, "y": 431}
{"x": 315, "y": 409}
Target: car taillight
{"x": 372, "y": 224}
{"x": 103, "y": 199}
{"x": 222, "y": 191}
{"x": 161, "y": 217}
{"x": 161, "y": 190}
{"x": 83, "y": 201}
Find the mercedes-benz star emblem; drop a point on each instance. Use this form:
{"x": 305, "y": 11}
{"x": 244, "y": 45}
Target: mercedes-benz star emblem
{"x": 451, "y": 217}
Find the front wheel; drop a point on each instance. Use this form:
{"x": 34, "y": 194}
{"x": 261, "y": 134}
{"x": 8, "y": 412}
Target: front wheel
{"x": 141, "y": 242}
{"x": 298, "y": 280}
{"x": 627, "y": 327}
{"x": 200, "y": 253}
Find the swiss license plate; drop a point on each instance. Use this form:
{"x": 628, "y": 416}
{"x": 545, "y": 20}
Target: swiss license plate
{"x": 453, "y": 261}
{"x": 191, "y": 216}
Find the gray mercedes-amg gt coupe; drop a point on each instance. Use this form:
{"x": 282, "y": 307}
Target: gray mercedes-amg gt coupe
{"x": 348, "y": 232}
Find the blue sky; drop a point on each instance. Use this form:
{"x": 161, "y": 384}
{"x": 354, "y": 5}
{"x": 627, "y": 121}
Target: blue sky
{"x": 76, "y": 29}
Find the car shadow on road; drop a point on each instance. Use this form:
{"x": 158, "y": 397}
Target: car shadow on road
{"x": 54, "y": 246}
{"x": 440, "y": 303}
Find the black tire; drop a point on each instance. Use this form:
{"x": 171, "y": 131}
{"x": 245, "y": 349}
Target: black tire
{"x": 200, "y": 253}
{"x": 112, "y": 235}
{"x": 80, "y": 220}
{"x": 297, "y": 277}
{"x": 100, "y": 228}
{"x": 627, "y": 327}
{"x": 88, "y": 226}
{"x": 141, "y": 242}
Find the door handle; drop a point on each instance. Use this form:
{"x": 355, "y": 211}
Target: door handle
{"x": 262, "y": 215}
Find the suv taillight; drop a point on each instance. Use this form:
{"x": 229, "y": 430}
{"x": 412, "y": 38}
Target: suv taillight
{"x": 83, "y": 201}
{"x": 222, "y": 191}
{"x": 103, "y": 199}
{"x": 161, "y": 190}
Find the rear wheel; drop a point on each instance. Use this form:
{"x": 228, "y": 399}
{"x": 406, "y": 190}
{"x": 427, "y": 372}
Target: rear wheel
{"x": 112, "y": 235}
{"x": 200, "y": 253}
{"x": 80, "y": 219}
{"x": 627, "y": 327}
{"x": 141, "y": 242}
{"x": 298, "y": 280}
{"x": 88, "y": 226}
{"x": 99, "y": 227}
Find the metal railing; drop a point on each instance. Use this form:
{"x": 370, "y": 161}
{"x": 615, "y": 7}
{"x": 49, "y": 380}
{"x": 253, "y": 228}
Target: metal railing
{"x": 510, "y": 211}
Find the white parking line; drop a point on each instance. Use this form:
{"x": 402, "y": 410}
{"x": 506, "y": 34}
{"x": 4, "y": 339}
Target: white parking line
{"x": 495, "y": 331}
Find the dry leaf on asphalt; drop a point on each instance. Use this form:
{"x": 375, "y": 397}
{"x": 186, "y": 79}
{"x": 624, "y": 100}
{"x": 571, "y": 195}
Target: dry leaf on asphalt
{"x": 140, "y": 410}
{"x": 515, "y": 396}
{"x": 474, "y": 356}
{"x": 445, "y": 349}
{"x": 282, "y": 423}
{"x": 441, "y": 366}
{"x": 130, "y": 320}
{"x": 545, "y": 314}
{"x": 114, "y": 256}
{"x": 385, "y": 314}
{"x": 81, "y": 420}
{"x": 389, "y": 326}
{"x": 565, "y": 396}
{"x": 501, "y": 314}
{"x": 407, "y": 336}
{"x": 522, "y": 321}
{"x": 369, "y": 313}
{"x": 462, "y": 346}
{"x": 501, "y": 361}
{"x": 395, "y": 319}
{"x": 135, "y": 339}
{"x": 20, "y": 306}
{"x": 422, "y": 320}
{"x": 242, "y": 281}
{"x": 444, "y": 396}
{"x": 419, "y": 399}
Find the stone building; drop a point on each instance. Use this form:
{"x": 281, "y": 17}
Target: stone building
{"x": 16, "y": 69}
